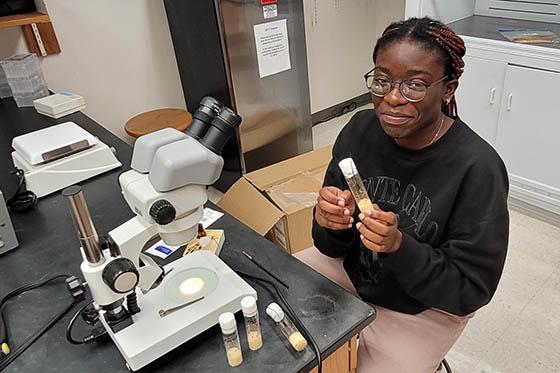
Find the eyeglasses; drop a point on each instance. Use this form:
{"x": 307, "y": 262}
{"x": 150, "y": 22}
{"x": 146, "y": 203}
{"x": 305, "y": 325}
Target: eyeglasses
{"x": 413, "y": 90}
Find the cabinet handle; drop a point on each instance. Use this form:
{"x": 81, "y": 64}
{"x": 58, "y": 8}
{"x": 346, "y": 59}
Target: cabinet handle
{"x": 510, "y": 98}
{"x": 492, "y": 95}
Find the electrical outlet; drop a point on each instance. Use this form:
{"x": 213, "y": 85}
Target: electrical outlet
{"x": 8, "y": 239}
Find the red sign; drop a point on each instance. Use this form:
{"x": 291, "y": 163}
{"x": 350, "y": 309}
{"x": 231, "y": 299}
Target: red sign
{"x": 268, "y": 2}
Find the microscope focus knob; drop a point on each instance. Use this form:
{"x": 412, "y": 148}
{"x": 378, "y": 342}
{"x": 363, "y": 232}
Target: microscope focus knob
{"x": 162, "y": 211}
{"x": 121, "y": 275}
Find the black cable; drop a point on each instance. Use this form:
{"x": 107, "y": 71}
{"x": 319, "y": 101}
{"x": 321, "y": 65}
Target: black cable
{"x": 23, "y": 199}
{"x": 71, "y": 324}
{"x": 336, "y": 113}
{"x": 292, "y": 314}
{"x": 13, "y": 355}
{"x": 16, "y": 292}
{"x": 3, "y": 330}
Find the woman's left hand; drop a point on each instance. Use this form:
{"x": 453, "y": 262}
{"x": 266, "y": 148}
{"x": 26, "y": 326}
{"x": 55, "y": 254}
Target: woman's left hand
{"x": 379, "y": 230}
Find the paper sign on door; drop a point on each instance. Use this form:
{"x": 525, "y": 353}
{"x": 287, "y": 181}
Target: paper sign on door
{"x": 273, "y": 51}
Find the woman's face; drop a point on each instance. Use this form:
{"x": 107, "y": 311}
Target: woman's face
{"x": 411, "y": 124}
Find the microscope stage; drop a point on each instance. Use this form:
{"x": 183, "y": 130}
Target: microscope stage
{"x": 198, "y": 274}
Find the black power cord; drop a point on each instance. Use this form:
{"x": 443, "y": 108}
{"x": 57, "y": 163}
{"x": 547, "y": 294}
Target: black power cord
{"x": 292, "y": 315}
{"x": 96, "y": 333}
{"x": 23, "y": 199}
{"x": 71, "y": 324}
{"x": 5, "y": 360}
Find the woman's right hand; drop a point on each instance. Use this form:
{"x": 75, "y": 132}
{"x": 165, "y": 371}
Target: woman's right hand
{"x": 335, "y": 208}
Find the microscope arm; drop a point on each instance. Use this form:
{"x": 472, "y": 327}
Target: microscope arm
{"x": 131, "y": 237}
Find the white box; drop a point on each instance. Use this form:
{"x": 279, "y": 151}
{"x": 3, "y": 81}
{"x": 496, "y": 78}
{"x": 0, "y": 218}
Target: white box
{"x": 59, "y": 104}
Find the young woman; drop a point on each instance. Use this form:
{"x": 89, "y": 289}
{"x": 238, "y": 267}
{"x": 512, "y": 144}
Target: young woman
{"x": 432, "y": 250}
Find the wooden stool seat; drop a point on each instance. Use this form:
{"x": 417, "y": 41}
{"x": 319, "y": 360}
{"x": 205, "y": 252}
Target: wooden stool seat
{"x": 155, "y": 120}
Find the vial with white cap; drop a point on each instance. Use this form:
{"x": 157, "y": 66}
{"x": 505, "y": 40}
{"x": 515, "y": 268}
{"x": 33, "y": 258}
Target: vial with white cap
{"x": 355, "y": 183}
{"x": 205, "y": 243}
{"x": 231, "y": 338}
{"x": 286, "y": 326}
{"x": 249, "y": 308}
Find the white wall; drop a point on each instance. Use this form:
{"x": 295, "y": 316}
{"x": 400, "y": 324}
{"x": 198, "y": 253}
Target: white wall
{"x": 340, "y": 36}
{"x": 386, "y": 12}
{"x": 11, "y": 42}
{"x": 117, "y": 54}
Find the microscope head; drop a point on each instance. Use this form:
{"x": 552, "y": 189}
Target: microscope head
{"x": 173, "y": 159}
{"x": 189, "y": 161}
{"x": 171, "y": 169}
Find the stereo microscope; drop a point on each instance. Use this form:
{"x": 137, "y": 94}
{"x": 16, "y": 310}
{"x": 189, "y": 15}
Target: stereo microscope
{"x": 166, "y": 189}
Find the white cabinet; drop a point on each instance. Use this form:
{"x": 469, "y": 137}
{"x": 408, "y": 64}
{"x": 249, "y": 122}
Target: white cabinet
{"x": 453, "y": 10}
{"x": 508, "y": 93}
{"x": 528, "y": 137}
{"x": 479, "y": 95}
{"x": 536, "y": 10}
{"x": 509, "y": 98}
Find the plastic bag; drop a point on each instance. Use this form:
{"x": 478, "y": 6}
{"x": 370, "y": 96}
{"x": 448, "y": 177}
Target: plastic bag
{"x": 538, "y": 37}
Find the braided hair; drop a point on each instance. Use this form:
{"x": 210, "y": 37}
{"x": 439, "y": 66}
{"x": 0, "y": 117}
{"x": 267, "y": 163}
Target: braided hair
{"x": 434, "y": 36}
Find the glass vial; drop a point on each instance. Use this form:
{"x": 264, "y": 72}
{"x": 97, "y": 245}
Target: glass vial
{"x": 286, "y": 326}
{"x": 355, "y": 184}
{"x": 231, "y": 338}
{"x": 249, "y": 308}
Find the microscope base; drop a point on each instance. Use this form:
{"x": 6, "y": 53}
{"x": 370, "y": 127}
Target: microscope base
{"x": 152, "y": 336}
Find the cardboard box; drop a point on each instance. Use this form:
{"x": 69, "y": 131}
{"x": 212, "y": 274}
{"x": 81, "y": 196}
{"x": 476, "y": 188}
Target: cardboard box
{"x": 277, "y": 201}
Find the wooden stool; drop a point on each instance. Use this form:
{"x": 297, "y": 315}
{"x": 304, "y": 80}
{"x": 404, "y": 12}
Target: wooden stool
{"x": 155, "y": 120}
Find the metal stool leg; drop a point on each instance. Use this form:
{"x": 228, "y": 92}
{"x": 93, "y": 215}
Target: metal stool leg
{"x": 446, "y": 365}
{"x": 442, "y": 364}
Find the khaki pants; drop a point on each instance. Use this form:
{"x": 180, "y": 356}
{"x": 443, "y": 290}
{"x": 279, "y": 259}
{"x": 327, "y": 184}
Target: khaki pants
{"x": 394, "y": 341}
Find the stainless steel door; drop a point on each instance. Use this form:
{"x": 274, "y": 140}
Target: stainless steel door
{"x": 275, "y": 109}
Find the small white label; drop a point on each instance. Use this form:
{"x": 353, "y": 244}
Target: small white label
{"x": 270, "y": 11}
{"x": 161, "y": 249}
{"x": 279, "y": 234}
{"x": 209, "y": 217}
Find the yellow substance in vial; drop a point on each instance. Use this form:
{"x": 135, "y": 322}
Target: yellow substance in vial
{"x": 255, "y": 340}
{"x": 364, "y": 205}
{"x": 234, "y": 356}
{"x": 297, "y": 341}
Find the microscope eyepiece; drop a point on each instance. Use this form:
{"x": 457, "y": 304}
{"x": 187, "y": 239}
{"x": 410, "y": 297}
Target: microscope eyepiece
{"x": 211, "y": 103}
{"x": 221, "y": 130}
{"x": 203, "y": 116}
{"x": 230, "y": 117}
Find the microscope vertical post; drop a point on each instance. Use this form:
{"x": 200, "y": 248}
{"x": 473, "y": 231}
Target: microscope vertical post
{"x": 84, "y": 225}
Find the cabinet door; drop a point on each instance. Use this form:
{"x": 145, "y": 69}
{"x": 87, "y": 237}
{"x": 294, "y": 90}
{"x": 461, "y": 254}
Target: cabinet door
{"x": 479, "y": 95}
{"x": 528, "y": 131}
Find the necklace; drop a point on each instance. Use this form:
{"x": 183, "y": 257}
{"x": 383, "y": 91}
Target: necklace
{"x": 439, "y": 129}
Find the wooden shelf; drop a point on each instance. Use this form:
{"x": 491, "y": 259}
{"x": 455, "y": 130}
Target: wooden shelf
{"x": 37, "y": 30}
{"x": 23, "y": 19}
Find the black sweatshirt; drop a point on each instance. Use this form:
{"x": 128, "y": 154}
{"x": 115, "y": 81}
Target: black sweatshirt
{"x": 451, "y": 201}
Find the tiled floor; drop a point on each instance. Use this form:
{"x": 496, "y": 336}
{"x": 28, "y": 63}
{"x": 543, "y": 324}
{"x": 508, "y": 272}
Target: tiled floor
{"x": 519, "y": 331}
{"x": 325, "y": 133}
